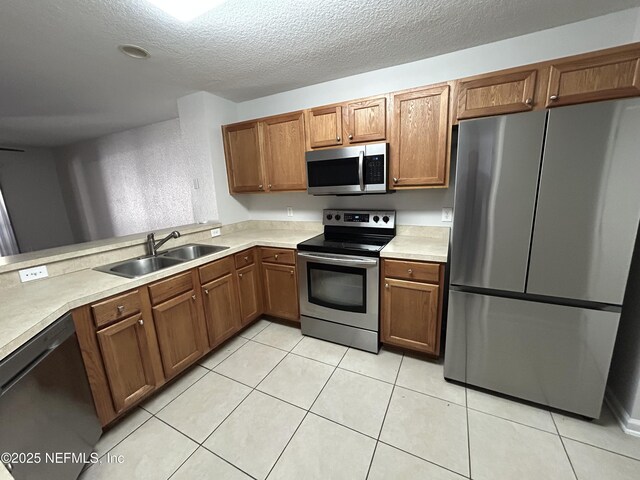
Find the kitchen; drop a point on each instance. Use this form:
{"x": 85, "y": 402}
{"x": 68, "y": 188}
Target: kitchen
{"x": 242, "y": 349}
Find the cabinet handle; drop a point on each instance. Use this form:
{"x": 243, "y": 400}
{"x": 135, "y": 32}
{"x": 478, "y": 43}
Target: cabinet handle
{"x": 350, "y": 137}
{"x": 529, "y": 101}
{"x": 386, "y": 285}
{"x": 269, "y": 186}
{"x": 275, "y": 256}
{"x": 206, "y": 292}
{"x": 395, "y": 179}
{"x": 239, "y": 275}
{"x": 409, "y": 271}
{"x": 193, "y": 297}
{"x": 141, "y": 322}
{"x": 553, "y": 98}
{"x": 120, "y": 309}
{"x": 246, "y": 259}
{"x": 260, "y": 187}
{"x": 291, "y": 272}
{"x": 337, "y": 139}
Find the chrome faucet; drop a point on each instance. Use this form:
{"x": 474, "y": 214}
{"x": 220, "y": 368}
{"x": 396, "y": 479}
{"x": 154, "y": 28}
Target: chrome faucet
{"x": 153, "y": 246}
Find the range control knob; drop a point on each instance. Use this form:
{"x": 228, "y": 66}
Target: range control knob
{"x": 329, "y": 216}
{"x": 338, "y": 216}
{"x": 385, "y": 219}
{"x": 376, "y": 218}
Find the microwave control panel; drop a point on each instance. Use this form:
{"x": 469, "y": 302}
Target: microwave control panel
{"x": 374, "y": 171}
{"x": 360, "y": 218}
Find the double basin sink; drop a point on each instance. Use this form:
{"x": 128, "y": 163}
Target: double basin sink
{"x": 137, "y": 267}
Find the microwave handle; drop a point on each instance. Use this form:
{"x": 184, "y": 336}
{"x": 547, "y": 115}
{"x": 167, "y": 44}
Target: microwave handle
{"x": 361, "y": 169}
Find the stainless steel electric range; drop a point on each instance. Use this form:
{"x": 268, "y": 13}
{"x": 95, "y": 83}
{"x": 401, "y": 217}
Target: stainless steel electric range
{"x": 339, "y": 277}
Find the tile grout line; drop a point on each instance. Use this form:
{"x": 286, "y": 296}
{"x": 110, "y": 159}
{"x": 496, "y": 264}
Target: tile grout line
{"x": 393, "y": 389}
{"x": 600, "y": 448}
{"x": 564, "y": 447}
{"x": 303, "y": 418}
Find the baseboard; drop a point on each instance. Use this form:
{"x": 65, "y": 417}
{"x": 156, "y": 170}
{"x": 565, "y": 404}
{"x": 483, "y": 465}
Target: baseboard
{"x": 629, "y": 425}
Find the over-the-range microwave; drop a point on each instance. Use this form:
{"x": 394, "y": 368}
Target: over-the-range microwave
{"x": 348, "y": 171}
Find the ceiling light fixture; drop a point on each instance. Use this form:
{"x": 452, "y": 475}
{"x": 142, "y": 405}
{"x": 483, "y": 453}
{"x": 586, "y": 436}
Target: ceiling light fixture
{"x": 134, "y": 51}
{"x": 186, "y": 10}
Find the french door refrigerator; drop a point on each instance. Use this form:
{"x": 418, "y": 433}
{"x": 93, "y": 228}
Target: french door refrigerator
{"x": 546, "y": 216}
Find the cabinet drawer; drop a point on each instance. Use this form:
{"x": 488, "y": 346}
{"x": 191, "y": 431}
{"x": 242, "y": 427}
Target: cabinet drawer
{"x": 245, "y": 258}
{"x": 115, "y": 308}
{"x": 170, "y": 287}
{"x": 216, "y": 269}
{"x": 416, "y": 271}
{"x": 278, "y": 255}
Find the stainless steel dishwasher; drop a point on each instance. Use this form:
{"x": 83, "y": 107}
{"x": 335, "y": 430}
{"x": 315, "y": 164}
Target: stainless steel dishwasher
{"x": 47, "y": 417}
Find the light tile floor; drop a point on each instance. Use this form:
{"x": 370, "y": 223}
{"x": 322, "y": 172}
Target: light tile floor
{"x": 273, "y": 404}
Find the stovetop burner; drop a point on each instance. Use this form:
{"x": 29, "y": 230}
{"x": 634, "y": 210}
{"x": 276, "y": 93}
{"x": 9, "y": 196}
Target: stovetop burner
{"x": 351, "y": 232}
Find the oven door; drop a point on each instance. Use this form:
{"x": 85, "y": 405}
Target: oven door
{"x": 339, "y": 288}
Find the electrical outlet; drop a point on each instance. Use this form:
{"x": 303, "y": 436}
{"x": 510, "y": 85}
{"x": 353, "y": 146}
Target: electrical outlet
{"x": 33, "y": 273}
{"x": 447, "y": 214}
{"x": 289, "y": 212}
{"x": 196, "y": 184}
{"x": 215, "y": 232}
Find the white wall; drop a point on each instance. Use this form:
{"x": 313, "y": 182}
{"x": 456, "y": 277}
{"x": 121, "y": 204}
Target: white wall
{"x": 34, "y": 199}
{"x": 201, "y": 118}
{"x": 130, "y": 182}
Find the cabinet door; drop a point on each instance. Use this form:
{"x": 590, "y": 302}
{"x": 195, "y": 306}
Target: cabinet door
{"x": 367, "y": 120}
{"x": 181, "y": 332}
{"x": 601, "y": 77}
{"x": 410, "y": 315}
{"x": 127, "y": 361}
{"x": 250, "y": 293}
{"x": 324, "y": 127}
{"x": 420, "y": 138}
{"x": 496, "y": 94}
{"x": 221, "y": 308}
{"x": 244, "y": 157}
{"x": 284, "y": 152}
{"x": 280, "y": 291}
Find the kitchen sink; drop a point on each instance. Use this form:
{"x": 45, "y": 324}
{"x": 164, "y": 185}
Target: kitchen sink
{"x": 139, "y": 266}
{"x": 192, "y": 251}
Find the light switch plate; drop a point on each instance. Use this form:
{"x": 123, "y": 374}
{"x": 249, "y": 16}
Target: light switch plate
{"x": 33, "y": 273}
{"x": 447, "y": 214}
{"x": 215, "y": 232}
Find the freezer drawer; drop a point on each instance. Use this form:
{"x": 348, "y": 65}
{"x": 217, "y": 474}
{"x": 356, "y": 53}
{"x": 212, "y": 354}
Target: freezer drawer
{"x": 550, "y": 354}
{"x": 588, "y": 203}
{"x": 496, "y": 181}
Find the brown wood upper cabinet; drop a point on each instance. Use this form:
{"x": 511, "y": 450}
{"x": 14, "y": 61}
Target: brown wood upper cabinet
{"x": 594, "y": 77}
{"x": 324, "y": 127}
{"x": 266, "y": 155}
{"x": 496, "y": 94}
{"x": 284, "y": 152}
{"x": 179, "y": 323}
{"x": 243, "y": 154}
{"x": 420, "y": 138}
{"x": 366, "y": 120}
{"x": 412, "y": 309}
{"x": 280, "y": 283}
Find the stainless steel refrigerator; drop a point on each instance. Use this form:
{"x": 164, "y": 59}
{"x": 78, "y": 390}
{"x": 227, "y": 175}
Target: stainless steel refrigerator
{"x": 546, "y": 215}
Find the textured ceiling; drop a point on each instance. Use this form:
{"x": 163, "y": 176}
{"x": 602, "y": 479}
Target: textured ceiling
{"x": 63, "y": 80}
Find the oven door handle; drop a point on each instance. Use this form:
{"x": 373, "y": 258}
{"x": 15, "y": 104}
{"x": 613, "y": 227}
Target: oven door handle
{"x": 341, "y": 261}
{"x": 361, "y": 169}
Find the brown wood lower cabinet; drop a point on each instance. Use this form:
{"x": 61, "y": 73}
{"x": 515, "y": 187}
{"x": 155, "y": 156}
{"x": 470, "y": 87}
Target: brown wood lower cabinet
{"x": 181, "y": 332}
{"x": 281, "y": 291}
{"x": 250, "y": 292}
{"x": 127, "y": 361}
{"x": 411, "y": 310}
{"x": 221, "y": 308}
